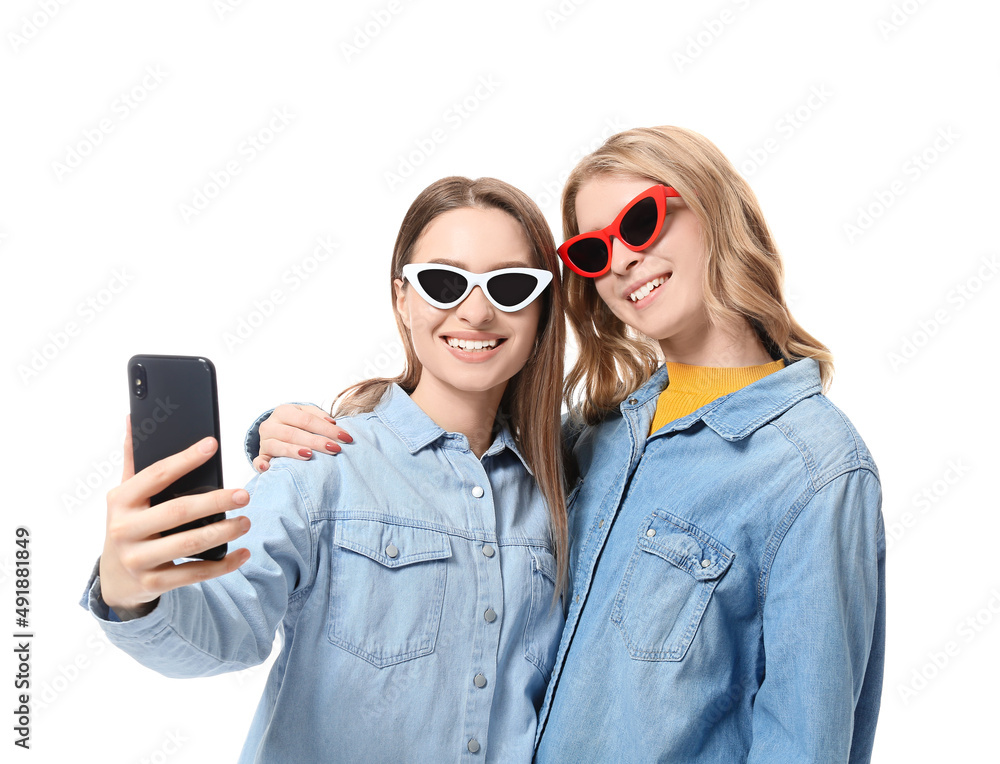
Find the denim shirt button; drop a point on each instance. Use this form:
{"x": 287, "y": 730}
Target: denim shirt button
{"x": 490, "y": 615}
{"x": 473, "y": 746}
{"x": 632, "y": 401}
{"x": 479, "y": 681}
{"x": 478, "y": 492}
{"x": 488, "y": 550}
{"x": 391, "y": 551}
{"x": 705, "y": 563}
{"x": 651, "y": 532}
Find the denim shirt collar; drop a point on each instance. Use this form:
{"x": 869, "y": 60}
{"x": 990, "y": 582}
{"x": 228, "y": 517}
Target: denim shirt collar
{"x": 739, "y": 414}
{"x": 416, "y": 430}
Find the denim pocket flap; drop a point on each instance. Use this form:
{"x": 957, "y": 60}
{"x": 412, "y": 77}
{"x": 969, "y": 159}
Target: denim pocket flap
{"x": 389, "y": 544}
{"x": 545, "y": 564}
{"x": 685, "y": 546}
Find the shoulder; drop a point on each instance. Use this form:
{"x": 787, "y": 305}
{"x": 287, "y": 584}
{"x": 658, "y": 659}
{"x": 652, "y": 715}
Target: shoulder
{"x": 588, "y": 445}
{"x": 321, "y": 479}
{"x": 826, "y": 440}
{"x": 838, "y": 514}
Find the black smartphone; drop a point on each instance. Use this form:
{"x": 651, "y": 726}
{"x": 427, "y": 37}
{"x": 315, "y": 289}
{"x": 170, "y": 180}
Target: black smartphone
{"x": 174, "y": 401}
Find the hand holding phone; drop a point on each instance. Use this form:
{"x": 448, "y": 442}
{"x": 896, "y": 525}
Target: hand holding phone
{"x": 137, "y": 564}
{"x": 174, "y": 402}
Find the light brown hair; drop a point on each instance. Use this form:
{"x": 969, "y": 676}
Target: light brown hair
{"x": 530, "y": 406}
{"x": 744, "y": 275}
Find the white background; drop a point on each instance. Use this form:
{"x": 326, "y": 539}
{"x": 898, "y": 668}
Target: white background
{"x": 880, "y": 115}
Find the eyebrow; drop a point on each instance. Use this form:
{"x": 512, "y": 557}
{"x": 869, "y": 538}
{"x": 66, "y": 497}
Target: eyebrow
{"x": 456, "y": 264}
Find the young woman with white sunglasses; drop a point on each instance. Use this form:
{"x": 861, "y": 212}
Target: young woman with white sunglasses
{"x": 415, "y": 585}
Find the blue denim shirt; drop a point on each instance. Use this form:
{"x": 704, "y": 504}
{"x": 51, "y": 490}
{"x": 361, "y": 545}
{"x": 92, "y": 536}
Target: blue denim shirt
{"x": 728, "y": 596}
{"x": 412, "y": 585}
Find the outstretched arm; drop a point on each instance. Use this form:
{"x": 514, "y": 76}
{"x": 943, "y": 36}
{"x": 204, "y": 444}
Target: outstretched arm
{"x": 137, "y": 564}
{"x": 201, "y": 618}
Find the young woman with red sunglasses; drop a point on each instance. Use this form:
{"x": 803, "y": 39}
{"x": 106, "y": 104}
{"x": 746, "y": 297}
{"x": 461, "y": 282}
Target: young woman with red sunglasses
{"x": 415, "y": 584}
{"x": 727, "y": 550}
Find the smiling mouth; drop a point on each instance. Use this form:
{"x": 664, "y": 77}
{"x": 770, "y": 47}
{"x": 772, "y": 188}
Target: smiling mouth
{"x": 648, "y": 288}
{"x": 474, "y": 346}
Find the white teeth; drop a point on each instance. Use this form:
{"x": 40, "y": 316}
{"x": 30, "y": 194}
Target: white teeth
{"x": 644, "y": 290}
{"x": 471, "y": 344}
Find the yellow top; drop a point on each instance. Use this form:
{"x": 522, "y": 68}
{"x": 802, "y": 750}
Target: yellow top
{"x": 691, "y": 387}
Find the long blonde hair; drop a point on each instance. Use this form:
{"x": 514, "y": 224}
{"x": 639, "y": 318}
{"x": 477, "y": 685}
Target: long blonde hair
{"x": 744, "y": 275}
{"x": 531, "y": 402}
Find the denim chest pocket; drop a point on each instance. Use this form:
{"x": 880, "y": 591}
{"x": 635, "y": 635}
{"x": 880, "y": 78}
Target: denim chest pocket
{"x": 545, "y": 616}
{"x": 388, "y": 590}
{"x": 667, "y": 586}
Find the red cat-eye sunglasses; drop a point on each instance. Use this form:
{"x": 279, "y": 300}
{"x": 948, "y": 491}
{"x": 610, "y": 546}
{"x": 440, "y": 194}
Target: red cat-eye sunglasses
{"x": 637, "y": 226}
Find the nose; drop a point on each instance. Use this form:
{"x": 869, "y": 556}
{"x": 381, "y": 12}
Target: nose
{"x": 623, "y": 259}
{"x": 475, "y": 309}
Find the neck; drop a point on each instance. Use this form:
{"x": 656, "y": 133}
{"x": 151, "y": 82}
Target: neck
{"x": 470, "y": 413}
{"x": 722, "y": 347}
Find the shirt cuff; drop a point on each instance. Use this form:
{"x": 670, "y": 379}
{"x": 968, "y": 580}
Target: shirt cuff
{"x": 93, "y": 601}
{"x": 251, "y": 442}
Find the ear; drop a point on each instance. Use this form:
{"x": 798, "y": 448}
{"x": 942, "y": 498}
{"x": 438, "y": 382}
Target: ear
{"x": 401, "y": 309}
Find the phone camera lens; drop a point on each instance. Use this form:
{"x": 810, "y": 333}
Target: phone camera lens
{"x": 138, "y": 377}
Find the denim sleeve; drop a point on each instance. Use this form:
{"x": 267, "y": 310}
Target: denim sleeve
{"x": 228, "y": 623}
{"x": 824, "y": 628}
{"x": 251, "y": 441}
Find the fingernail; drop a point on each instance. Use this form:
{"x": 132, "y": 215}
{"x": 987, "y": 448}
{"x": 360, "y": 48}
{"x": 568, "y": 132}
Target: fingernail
{"x": 265, "y": 466}
{"x": 331, "y": 420}
{"x": 241, "y": 497}
{"x": 345, "y": 438}
{"x": 206, "y": 445}
{"x": 332, "y": 448}
{"x": 305, "y": 452}
{"x": 244, "y": 524}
